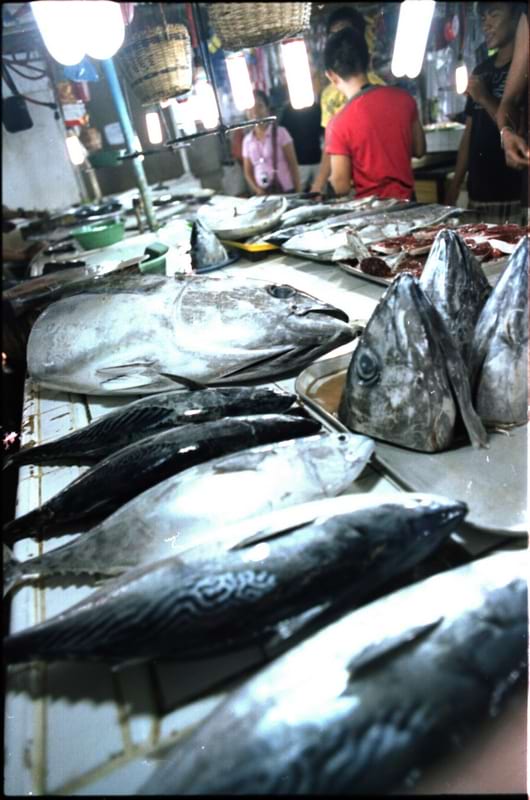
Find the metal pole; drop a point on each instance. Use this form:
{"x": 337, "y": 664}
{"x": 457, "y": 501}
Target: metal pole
{"x": 126, "y": 125}
{"x": 176, "y": 126}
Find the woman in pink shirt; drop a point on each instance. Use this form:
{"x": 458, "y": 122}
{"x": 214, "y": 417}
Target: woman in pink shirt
{"x": 258, "y": 155}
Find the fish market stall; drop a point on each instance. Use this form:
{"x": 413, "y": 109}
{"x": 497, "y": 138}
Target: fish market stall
{"x": 143, "y": 709}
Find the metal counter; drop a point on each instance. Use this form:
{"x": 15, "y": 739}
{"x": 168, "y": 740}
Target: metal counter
{"x": 85, "y": 729}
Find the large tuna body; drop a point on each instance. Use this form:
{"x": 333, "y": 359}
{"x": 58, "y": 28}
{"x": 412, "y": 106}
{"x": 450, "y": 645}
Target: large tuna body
{"x": 156, "y": 333}
{"x": 214, "y": 601}
{"x": 370, "y": 699}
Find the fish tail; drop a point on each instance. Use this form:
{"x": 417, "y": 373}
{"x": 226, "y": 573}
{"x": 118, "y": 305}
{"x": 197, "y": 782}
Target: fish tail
{"x": 12, "y": 570}
{"x": 21, "y": 527}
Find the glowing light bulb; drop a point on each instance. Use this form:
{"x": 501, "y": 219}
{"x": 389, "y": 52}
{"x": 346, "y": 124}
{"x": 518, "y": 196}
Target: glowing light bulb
{"x": 154, "y": 129}
{"x": 461, "y": 78}
{"x": 58, "y": 23}
{"x": 103, "y": 28}
{"x": 297, "y": 73}
{"x": 205, "y": 106}
{"x": 76, "y": 151}
{"x": 415, "y": 17}
{"x": 239, "y": 77}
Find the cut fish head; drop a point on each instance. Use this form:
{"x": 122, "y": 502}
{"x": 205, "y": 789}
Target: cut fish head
{"x": 397, "y": 388}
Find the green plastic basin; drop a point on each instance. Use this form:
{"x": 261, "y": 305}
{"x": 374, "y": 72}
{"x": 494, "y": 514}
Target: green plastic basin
{"x": 99, "y": 234}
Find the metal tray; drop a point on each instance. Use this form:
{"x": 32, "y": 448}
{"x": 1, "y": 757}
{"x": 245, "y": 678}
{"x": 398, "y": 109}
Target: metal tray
{"x": 492, "y": 481}
{"x": 492, "y": 270}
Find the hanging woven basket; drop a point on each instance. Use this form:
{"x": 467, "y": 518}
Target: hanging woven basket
{"x": 156, "y": 60}
{"x": 241, "y": 25}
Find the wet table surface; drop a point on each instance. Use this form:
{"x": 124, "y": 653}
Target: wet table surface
{"x": 84, "y": 729}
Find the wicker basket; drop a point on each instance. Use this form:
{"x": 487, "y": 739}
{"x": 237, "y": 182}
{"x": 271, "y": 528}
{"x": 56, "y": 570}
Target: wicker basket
{"x": 241, "y": 25}
{"x": 157, "y": 61}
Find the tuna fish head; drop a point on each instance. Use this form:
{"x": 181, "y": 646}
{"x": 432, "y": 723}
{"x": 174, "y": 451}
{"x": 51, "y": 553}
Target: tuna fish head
{"x": 456, "y": 284}
{"x": 499, "y": 354}
{"x": 406, "y": 381}
{"x": 267, "y": 330}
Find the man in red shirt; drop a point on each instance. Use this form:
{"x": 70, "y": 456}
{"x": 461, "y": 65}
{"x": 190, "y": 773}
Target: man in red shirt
{"x": 371, "y": 141}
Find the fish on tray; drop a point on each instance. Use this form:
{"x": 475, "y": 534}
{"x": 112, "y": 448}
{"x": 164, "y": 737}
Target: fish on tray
{"x": 371, "y": 699}
{"x": 407, "y": 382}
{"x": 121, "y": 476}
{"x": 150, "y": 415}
{"x": 155, "y": 333}
{"x": 456, "y": 284}
{"x": 174, "y": 515}
{"x": 499, "y": 353}
{"x": 207, "y": 601}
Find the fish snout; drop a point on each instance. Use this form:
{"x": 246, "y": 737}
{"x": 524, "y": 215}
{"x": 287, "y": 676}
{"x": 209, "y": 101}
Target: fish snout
{"x": 448, "y": 514}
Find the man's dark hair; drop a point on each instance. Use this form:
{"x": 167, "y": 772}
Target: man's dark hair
{"x": 347, "y": 14}
{"x": 516, "y": 8}
{"x": 346, "y": 53}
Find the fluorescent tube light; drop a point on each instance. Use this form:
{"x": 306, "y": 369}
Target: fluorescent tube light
{"x": 103, "y": 28}
{"x": 239, "y": 77}
{"x": 154, "y": 129}
{"x": 462, "y": 78}
{"x": 76, "y": 151}
{"x": 58, "y": 23}
{"x": 414, "y": 23}
{"x": 297, "y": 73}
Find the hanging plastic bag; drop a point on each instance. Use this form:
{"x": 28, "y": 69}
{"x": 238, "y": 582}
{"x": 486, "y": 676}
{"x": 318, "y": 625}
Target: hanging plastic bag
{"x": 84, "y": 71}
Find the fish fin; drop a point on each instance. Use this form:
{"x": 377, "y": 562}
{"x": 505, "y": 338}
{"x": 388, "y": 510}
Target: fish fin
{"x": 188, "y": 383}
{"x": 376, "y": 654}
{"x": 278, "y": 356}
{"x": 130, "y": 376}
{"x": 12, "y": 571}
{"x": 282, "y": 633}
{"x": 265, "y": 534}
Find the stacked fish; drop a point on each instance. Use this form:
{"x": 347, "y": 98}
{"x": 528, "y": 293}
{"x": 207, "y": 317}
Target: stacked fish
{"x": 441, "y": 352}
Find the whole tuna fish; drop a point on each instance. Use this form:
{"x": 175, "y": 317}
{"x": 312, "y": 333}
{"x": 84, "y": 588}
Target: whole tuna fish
{"x": 499, "y": 354}
{"x": 406, "y": 381}
{"x": 150, "y": 415}
{"x": 158, "y": 333}
{"x": 456, "y": 284}
{"x": 369, "y": 700}
{"x": 207, "y": 250}
{"x": 173, "y": 515}
{"x": 121, "y": 476}
{"x": 207, "y": 602}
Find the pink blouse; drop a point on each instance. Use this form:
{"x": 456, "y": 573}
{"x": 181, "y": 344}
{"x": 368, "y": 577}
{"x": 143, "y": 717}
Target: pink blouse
{"x": 260, "y": 155}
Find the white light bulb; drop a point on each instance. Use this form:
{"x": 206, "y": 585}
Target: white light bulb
{"x": 76, "y": 151}
{"x": 154, "y": 129}
{"x": 297, "y": 73}
{"x": 103, "y": 28}
{"x": 414, "y": 23}
{"x": 58, "y": 23}
{"x": 205, "y": 106}
{"x": 461, "y": 78}
{"x": 239, "y": 77}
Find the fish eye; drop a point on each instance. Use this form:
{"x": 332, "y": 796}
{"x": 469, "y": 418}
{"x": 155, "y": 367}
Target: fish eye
{"x": 281, "y": 292}
{"x": 367, "y": 367}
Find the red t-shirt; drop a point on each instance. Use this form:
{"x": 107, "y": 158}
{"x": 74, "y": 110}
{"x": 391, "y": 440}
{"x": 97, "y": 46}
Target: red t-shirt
{"x": 375, "y": 131}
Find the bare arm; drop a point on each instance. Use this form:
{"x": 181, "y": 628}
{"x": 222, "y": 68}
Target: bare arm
{"x": 476, "y": 89}
{"x": 340, "y": 174}
{"x": 324, "y": 171}
{"x": 419, "y": 145}
{"x": 292, "y": 163}
{"x": 462, "y": 161}
{"x": 517, "y": 79}
{"x": 515, "y": 146}
{"x": 248, "y": 171}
